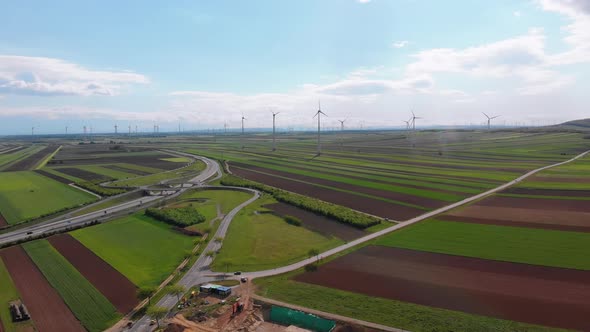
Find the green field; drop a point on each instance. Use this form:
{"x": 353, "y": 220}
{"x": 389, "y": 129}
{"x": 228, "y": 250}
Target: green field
{"x": 206, "y": 201}
{"x": 6, "y": 159}
{"x": 177, "y": 159}
{"x": 403, "y": 315}
{"x": 20, "y": 189}
{"x": 191, "y": 170}
{"x": 88, "y": 305}
{"x": 144, "y": 250}
{"x": 259, "y": 241}
{"x": 512, "y": 244}
{"x": 9, "y": 293}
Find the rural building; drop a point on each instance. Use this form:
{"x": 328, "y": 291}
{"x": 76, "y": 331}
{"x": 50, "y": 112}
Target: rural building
{"x": 215, "y": 289}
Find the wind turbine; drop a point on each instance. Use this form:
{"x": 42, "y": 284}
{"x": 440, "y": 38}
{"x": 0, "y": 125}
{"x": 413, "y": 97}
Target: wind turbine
{"x": 413, "y": 119}
{"x": 490, "y": 118}
{"x": 242, "y": 137}
{"x": 274, "y": 146}
{"x": 129, "y": 130}
{"x": 408, "y": 124}
{"x": 66, "y": 129}
{"x": 116, "y": 128}
{"x": 341, "y": 124}
{"x": 32, "y": 131}
{"x": 243, "y": 118}
{"x": 319, "y": 115}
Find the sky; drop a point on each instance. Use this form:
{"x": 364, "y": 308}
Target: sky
{"x": 205, "y": 64}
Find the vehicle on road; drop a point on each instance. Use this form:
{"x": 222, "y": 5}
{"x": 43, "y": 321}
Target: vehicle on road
{"x": 237, "y": 273}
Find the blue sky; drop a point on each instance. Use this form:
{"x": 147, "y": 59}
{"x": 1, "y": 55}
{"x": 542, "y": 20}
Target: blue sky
{"x": 203, "y": 64}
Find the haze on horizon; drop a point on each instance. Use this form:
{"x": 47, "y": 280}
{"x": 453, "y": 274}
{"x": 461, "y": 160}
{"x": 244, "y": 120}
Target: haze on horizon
{"x": 203, "y": 64}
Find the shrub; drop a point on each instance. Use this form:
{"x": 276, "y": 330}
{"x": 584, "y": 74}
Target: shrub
{"x": 97, "y": 189}
{"x": 292, "y": 220}
{"x": 180, "y": 217}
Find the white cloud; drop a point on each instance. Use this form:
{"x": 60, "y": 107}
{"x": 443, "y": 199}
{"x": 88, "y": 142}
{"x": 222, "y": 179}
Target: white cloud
{"x": 516, "y": 13}
{"x": 364, "y": 1}
{"x": 400, "y": 44}
{"x": 49, "y": 76}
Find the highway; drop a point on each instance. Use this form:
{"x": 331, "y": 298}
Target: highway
{"x": 61, "y": 224}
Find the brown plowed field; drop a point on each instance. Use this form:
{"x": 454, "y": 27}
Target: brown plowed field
{"x": 536, "y": 203}
{"x": 548, "y": 192}
{"x": 83, "y": 174}
{"x": 520, "y": 292}
{"x": 365, "y": 179}
{"x": 126, "y": 170}
{"x": 53, "y": 176}
{"x": 111, "y": 283}
{"x": 484, "y": 221}
{"x": 360, "y": 203}
{"x": 537, "y": 178}
{"x": 48, "y": 310}
{"x": 31, "y": 161}
{"x": 149, "y": 161}
{"x": 317, "y": 223}
{"x": 2, "y": 220}
{"x": 395, "y": 196}
{"x": 541, "y": 217}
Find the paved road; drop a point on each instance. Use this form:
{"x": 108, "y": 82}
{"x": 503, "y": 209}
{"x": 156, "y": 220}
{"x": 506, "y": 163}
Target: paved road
{"x": 199, "y": 273}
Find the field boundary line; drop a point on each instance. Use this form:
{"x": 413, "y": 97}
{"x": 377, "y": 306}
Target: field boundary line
{"x": 300, "y": 264}
{"x": 48, "y": 158}
{"x": 327, "y": 314}
{"x": 73, "y": 185}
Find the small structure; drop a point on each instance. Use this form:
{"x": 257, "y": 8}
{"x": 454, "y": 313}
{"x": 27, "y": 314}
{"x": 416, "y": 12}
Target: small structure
{"x": 215, "y": 289}
{"x": 19, "y": 311}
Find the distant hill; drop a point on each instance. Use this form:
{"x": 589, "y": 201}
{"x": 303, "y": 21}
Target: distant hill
{"x": 583, "y": 124}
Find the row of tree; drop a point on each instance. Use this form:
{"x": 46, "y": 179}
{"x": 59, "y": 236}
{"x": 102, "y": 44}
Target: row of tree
{"x": 333, "y": 211}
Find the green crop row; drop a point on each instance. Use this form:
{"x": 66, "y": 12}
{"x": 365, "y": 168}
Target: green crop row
{"x": 333, "y": 211}
{"x": 91, "y": 307}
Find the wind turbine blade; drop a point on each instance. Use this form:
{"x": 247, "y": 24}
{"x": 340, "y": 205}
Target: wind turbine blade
{"x": 318, "y": 112}
{"x": 323, "y": 113}
{"x": 497, "y": 116}
{"x": 485, "y": 115}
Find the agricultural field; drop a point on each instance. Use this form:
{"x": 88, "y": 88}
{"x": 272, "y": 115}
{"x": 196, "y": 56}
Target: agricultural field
{"x": 9, "y": 293}
{"x": 210, "y": 202}
{"x": 20, "y": 188}
{"x": 523, "y": 244}
{"x": 119, "y": 290}
{"x": 33, "y": 160}
{"x": 188, "y": 171}
{"x": 93, "y": 310}
{"x": 11, "y": 156}
{"x": 252, "y": 242}
{"x": 390, "y": 175}
{"x": 47, "y": 309}
{"x": 142, "y": 249}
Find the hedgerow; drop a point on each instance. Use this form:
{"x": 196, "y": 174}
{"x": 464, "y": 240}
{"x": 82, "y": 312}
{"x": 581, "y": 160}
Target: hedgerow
{"x": 333, "y": 211}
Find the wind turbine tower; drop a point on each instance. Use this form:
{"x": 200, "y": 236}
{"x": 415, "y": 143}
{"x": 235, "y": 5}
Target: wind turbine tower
{"x": 66, "y": 130}
{"x": 490, "y": 118}
{"x": 129, "y": 127}
{"x": 413, "y": 119}
{"x": 341, "y": 124}
{"x": 319, "y": 114}
{"x": 32, "y": 131}
{"x": 274, "y": 146}
{"x": 243, "y": 118}
{"x": 116, "y": 128}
